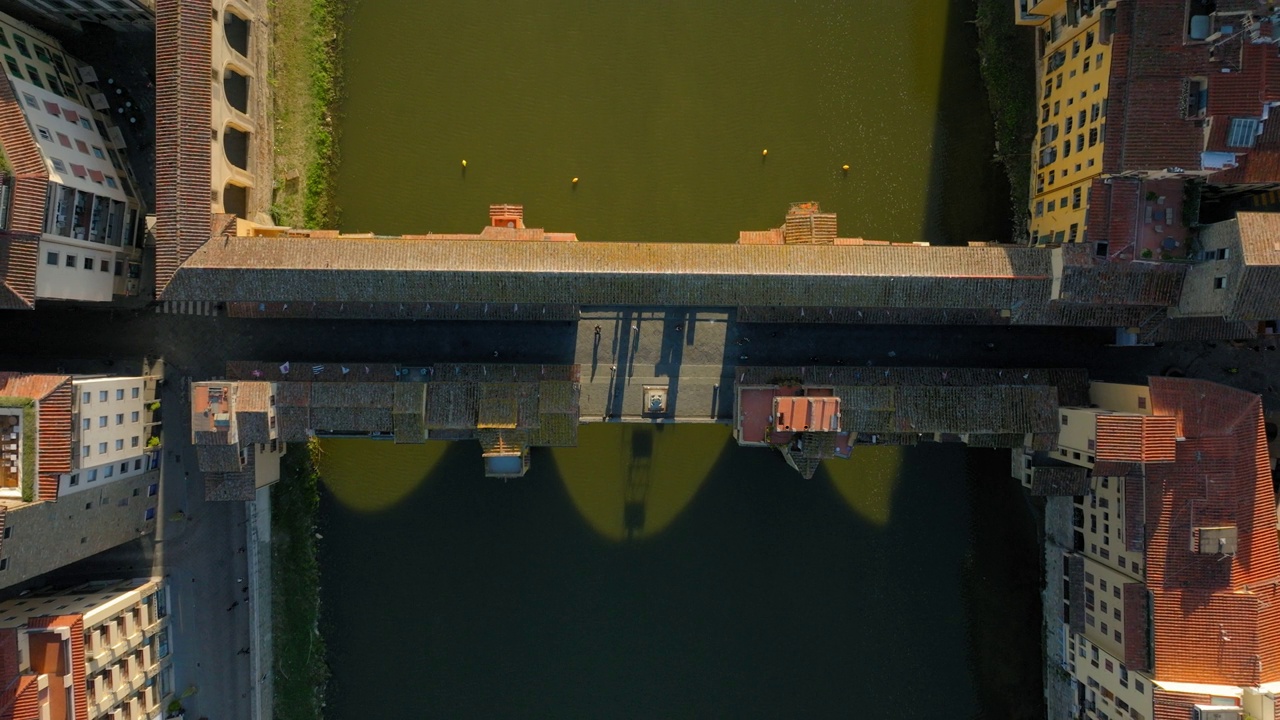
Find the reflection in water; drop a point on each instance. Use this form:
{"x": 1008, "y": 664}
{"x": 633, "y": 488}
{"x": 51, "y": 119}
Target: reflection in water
{"x": 753, "y": 594}
{"x": 867, "y": 479}
{"x": 631, "y": 481}
{"x": 372, "y": 476}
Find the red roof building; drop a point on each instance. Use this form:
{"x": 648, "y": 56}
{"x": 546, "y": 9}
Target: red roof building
{"x": 1181, "y": 565}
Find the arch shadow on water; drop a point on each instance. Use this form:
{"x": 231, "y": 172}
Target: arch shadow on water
{"x": 764, "y": 596}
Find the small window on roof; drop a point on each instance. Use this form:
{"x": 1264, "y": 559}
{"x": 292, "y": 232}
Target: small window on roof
{"x": 1243, "y": 132}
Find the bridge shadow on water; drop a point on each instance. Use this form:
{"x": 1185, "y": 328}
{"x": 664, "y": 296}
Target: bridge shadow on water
{"x": 746, "y": 592}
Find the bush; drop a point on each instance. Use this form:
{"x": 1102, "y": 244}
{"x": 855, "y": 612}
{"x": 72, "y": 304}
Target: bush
{"x": 1146, "y": 253}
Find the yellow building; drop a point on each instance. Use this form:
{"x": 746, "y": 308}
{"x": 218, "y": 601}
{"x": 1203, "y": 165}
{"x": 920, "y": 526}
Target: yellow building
{"x": 1074, "y": 60}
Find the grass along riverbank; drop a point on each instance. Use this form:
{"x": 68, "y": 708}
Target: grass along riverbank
{"x": 306, "y": 81}
{"x": 1006, "y": 55}
{"x": 300, "y": 672}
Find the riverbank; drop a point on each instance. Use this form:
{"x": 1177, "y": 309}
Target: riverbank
{"x": 300, "y": 670}
{"x": 1006, "y": 54}
{"x": 306, "y": 81}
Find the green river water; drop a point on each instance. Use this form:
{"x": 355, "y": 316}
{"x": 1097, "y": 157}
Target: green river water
{"x": 667, "y": 573}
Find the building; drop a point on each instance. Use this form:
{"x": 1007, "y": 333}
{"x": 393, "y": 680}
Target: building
{"x": 234, "y": 430}
{"x": 1073, "y": 73}
{"x": 1173, "y": 578}
{"x": 114, "y": 433}
{"x": 58, "y": 502}
{"x": 98, "y": 651}
{"x": 811, "y": 414}
{"x": 74, "y": 221}
{"x": 241, "y": 426}
{"x": 115, "y": 14}
{"x": 1188, "y": 88}
{"x": 1238, "y": 273}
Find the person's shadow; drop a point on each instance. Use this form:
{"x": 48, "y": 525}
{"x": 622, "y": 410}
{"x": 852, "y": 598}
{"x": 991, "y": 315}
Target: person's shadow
{"x": 595, "y": 353}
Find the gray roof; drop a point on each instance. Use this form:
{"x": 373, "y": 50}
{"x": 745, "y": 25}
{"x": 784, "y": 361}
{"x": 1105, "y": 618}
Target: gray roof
{"x": 1060, "y": 480}
{"x": 431, "y": 270}
{"x": 218, "y": 458}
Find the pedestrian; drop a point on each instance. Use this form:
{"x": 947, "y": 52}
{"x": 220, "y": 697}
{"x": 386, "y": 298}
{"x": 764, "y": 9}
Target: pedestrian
{"x": 241, "y": 550}
{"x": 495, "y": 353}
{"x": 233, "y": 606}
{"x": 243, "y": 651}
{"x": 597, "y": 331}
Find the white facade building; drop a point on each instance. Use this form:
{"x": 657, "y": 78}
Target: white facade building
{"x": 111, "y": 424}
{"x": 92, "y": 218}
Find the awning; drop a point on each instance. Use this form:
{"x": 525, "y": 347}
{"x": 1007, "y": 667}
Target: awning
{"x": 96, "y": 176}
{"x": 52, "y": 107}
{"x": 78, "y": 170}
{"x": 70, "y": 114}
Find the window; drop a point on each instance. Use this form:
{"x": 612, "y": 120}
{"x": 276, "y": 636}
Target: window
{"x": 21, "y": 44}
{"x": 133, "y": 442}
{"x": 1067, "y": 124}
{"x": 1075, "y": 49}
{"x": 111, "y": 182}
{"x": 150, "y": 514}
{"x": 1079, "y": 142}
{"x": 51, "y": 258}
{"x": 1142, "y": 402}
{"x": 120, "y": 444}
{"x": 4, "y": 563}
{"x": 59, "y": 165}
{"x": 133, "y": 416}
{"x": 1071, "y": 237}
{"x": 152, "y": 489}
{"x": 84, "y": 424}
{"x": 82, "y": 146}
{"x": 1086, "y": 64}
{"x": 54, "y": 85}
{"x": 124, "y": 466}
{"x": 84, "y": 123}
{"x": 119, "y": 418}
{"x": 75, "y": 480}
{"x": 1115, "y": 613}
{"x": 44, "y": 133}
{"x": 1053, "y": 205}
{"x": 88, "y": 263}
{"x": 4, "y": 40}
{"x": 107, "y": 472}
{"x": 93, "y": 475}
{"x": 137, "y": 464}
{"x": 104, "y": 265}
{"x": 119, "y": 393}
{"x": 86, "y": 397}
{"x": 1222, "y": 253}
{"x": 102, "y": 396}
{"x": 1220, "y": 283}
{"x": 1243, "y": 132}
{"x": 1088, "y": 40}
{"x": 133, "y": 393}
{"x": 72, "y": 260}
{"x": 1103, "y": 585}
{"x": 102, "y": 448}
{"x": 34, "y": 76}
{"x": 1088, "y": 578}
{"x": 41, "y": 54}
{"x": 84, "y": 452}
{"x": 1137, "y": 685}
{"x": 12, "y": 62}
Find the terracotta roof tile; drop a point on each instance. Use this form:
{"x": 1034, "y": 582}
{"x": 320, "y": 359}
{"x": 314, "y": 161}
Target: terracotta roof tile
{"x": 184, "y": 109}
{"x": 1216, "y": 618}
{"x": 1136, "y": 438}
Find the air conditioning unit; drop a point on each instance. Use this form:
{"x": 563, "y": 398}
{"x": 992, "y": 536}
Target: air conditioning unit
{"x": 1219, "y": 712}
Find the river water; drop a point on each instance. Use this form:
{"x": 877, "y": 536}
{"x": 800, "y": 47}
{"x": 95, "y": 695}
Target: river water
{"x": 660, "y": 573}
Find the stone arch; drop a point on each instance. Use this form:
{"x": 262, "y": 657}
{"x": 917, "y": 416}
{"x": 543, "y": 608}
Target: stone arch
{"x": 235, "y": 87}
{"x": 235, "y": 200}
{"x": 235, "y": 146}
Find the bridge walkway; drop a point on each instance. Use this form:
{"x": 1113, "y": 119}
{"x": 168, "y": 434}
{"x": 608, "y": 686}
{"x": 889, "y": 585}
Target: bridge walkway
{"x": 691, "y": 352}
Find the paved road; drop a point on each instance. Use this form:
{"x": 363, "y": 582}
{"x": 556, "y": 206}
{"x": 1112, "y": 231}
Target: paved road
{"x": 200, "y": 553}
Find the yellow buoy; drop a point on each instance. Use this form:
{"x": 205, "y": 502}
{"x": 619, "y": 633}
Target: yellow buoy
{"x": 464, "y": 163}
{"x": 844, "y": 168}
{"x": 575, "y": 181}
{"x": 764, "y": 152}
